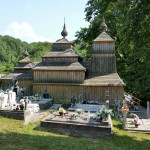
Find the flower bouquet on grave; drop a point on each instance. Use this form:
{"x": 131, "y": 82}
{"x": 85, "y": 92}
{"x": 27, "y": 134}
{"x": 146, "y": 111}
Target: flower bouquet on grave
{"x": 75, "y": 115}
{"x": 62, "y": 111}
{"x": 79, "y": 111}
{"x": 102, "y": 114}
{"x": 36, "y": 97}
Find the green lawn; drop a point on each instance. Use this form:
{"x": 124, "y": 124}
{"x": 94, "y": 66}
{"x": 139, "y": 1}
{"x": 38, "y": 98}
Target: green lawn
{"x": 16, "y": 136}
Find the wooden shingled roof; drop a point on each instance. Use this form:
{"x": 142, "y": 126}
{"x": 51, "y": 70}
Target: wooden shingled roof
{"x": 24, "y": 66}
{"x": 67, "y": 53}
{"x": 104, "y": 80}
{"x": 25, "y": 60}
{"x": 61, "y": 67}
{"x": 63, "y": 40}
{"x": 18, "y": 76}
{"x": 25, "y": 63}
{"x": 104, "y": 37}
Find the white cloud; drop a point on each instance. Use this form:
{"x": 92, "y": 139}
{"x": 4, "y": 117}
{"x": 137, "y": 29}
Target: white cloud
{"x": 25, "y": 32}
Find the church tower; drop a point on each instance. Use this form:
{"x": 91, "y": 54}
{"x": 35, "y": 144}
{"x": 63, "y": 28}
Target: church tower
{"x": 103, "y": 53}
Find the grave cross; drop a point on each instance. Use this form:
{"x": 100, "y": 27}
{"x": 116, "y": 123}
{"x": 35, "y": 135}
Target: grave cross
{"x": 124, "y": 110}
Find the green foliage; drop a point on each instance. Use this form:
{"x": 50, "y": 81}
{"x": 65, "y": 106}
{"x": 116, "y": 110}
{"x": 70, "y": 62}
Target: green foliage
{"x": 6, "y": 68}
{"x": 83, "y": 50}
{"x": 128, "y": 23}
{"x": 102, "y": 113}
{"x": 11, "y": 51}
{"x": 37, "y": 50}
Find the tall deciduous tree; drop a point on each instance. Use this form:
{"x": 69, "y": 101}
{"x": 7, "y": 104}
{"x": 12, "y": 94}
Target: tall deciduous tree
{"x": 128, "y": 23}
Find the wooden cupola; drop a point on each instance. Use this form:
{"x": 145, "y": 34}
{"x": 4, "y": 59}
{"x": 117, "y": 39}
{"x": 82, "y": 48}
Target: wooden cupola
{"x": 24, "y": 64}
{"x": 62, "y": 44}
{"x": 103, "y": 53}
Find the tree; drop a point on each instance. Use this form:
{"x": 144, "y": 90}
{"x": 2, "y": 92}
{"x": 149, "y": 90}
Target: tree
{"x": 37, "y": 50}
{"x": 128, "y": 23}
{"x": 11, "y": 51}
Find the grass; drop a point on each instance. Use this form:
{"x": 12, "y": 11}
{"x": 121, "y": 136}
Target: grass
{"x": 16, "y": 136}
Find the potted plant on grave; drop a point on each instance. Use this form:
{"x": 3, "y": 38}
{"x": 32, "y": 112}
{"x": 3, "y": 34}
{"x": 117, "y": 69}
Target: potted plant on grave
{"x": 36, "y": 97}
{"x": 62, "y": 111}
{"x": 79, "y": 111}
{"x": 102, "y": 114}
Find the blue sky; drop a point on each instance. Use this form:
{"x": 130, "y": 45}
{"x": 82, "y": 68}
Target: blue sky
{"x": 41, "y": 20}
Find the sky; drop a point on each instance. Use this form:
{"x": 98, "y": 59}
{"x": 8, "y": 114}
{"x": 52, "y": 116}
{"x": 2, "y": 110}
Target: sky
{"x": 41, "y": 20}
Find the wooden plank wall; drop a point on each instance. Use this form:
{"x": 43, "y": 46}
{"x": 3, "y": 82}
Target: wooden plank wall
{"x": 65, "y": 92}
{"x": 48, "y": 76}
{"x": 103, "y": 58}
{"x": 6, "y": 84}
{"x": 27, "y": 84}
{"x": 103, "y": 48}
{"x": 103, "y": 63}
{"x": 59, "y": 60}
{"x": 60, "y": 46}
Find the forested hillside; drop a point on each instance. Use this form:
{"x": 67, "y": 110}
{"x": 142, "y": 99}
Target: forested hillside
{"x": 128, "y": 23}
{"x": 11, "y": 51}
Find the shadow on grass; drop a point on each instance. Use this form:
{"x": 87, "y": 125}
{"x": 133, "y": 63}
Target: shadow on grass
{"x": 118, "y": 126}
{"x": 39, "y": 140}
{"x": 15, "y": 136}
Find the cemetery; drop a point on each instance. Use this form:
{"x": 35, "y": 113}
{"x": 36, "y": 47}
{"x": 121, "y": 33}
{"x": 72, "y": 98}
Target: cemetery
{"x": 78, "y": 118}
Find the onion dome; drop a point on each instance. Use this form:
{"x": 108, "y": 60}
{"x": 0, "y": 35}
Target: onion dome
{"x": 64, "y": 32}
{"x": 103, "y": 25}
{"x": 103, "y": 36}
{"x": 26, "y": 53}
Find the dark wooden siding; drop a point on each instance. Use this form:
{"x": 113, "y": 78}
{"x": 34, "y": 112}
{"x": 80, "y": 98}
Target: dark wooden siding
{"x": 103, "y": 48}
{"x": 27, "y": 84}
{"x": 51, "y": 76}
{"x": 59, "y": 60}
{"x": 103, "y": 63}
{"x": 6, "y": 84}
{"x": 65, "y": 92}
{"x": 103, "y": 58}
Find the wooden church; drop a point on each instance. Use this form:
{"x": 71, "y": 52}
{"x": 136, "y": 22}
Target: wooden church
{"x": 63, "y": 76}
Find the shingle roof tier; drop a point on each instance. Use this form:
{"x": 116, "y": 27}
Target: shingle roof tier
{"x": 73, "y": 66}
{"x": 112, "y": 79}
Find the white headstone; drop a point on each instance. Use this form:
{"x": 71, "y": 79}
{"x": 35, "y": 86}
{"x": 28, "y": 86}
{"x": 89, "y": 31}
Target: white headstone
{"x": 3, "y": 100}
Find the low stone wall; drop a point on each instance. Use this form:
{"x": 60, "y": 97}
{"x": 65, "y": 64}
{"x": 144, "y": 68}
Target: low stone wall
{"x": 15, "y": 114}
{"x": 24, "y": 115}
{"x": 77, "y": 129}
